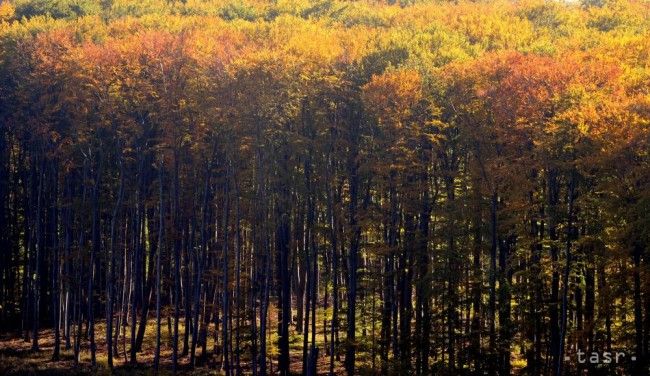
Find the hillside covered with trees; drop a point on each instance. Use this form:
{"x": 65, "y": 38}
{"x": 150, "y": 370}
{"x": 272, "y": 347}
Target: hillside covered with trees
{"x": 325, "y": 187}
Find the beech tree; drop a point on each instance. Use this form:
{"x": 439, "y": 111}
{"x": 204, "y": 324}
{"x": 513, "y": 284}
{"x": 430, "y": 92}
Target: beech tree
{"x": 325, "y": 187}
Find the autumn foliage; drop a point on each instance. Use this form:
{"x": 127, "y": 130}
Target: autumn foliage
{"x": 327, "y": 186}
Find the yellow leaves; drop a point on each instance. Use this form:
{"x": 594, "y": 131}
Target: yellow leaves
{"x": 7, "y": 11}
{"x": 501, "y": 69}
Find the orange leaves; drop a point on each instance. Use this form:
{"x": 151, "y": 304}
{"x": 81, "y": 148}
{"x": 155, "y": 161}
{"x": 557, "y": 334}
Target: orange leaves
{"x": 570, "y": 112}
{"x": 434, "y": 72}
{"x": 393, "y": 101}
{"x": 526, "y": 86}
{"x": 393, "y": 95}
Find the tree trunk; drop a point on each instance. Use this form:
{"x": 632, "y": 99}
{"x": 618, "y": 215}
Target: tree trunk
{"x": 225, "y": 365}
{"x": 355, "y": 228}
{"x": 110, "y": 281}
{"x": 493, "y": 279}
{"x": 94, "y": 250}
{"x": 161, "y": 212}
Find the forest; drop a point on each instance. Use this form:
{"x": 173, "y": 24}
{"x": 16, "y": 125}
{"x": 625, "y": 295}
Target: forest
{"x": 325, "y": 187}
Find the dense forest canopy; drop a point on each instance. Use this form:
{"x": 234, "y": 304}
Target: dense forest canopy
{"x": 325, "y": 186}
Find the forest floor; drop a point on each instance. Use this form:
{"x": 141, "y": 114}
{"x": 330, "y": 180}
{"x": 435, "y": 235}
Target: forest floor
{"x": 17, "y": 358}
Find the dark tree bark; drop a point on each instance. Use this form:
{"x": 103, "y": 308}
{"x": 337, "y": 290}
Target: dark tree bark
{"x": 56, "y": 268}
{"x": 570, "y": 235}
{"x": 553, "y": 197}
{"x": 355, "y": 229}
{"x": 161, "y": 215}
{"x": 94, "y": 250}
{"x": 505, "y": 283}
{"x": 225, "y": 364}
{"x": 333, "y": 228}
{"x": 637, "y": 252}
{"x": 110, "y": 281}
{"x": 283, "y": 249}
{"x": 493, "y": 279}
{"x": 477, "y": 284}
{"x": 38, "y": 244}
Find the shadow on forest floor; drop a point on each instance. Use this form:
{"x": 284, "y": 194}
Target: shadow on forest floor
{"x": 17, "y": 358}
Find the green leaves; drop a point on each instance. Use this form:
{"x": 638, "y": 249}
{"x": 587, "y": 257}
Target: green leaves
{"x": 69, "y": 9}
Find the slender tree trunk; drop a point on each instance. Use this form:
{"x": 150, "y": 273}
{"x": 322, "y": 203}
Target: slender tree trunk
{"x": 67, "y": 264}
{"x": 149, "y": 278}
{"x": 553, "y": 195}
{"x": 38, "y": 244}
{"x": 94, "y": 250}
{"x": 570, "y": 230}
{"x": 493, "y": 279}
{"x": 423, "y": 290}
{"x": 638, "y": 310}
{"x": 355, "y": 228}
{"x": 452, "y": 270}
{"x": 505, "y": 283}
{"x": 238, "y": 300}
{"x": 225, "y": 365}
{"x": 406, "y": 293}
{"x": 56, "y": 267}
{"x": 110, "y": 281}
{"x": 283, "y": 246}
{"x": 161, "y": 212}
{"x": 308, "y": 282}
{"x": 333, "y": 226}
{"x": 136, "y": 258}
{"x": 177, "y": 233}
{"x": 200, "y": 262}
{"x": 477, "y": 284}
